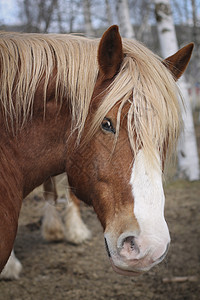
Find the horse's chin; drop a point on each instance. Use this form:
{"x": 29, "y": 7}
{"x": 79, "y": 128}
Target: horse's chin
{"x": 125, "y": 272}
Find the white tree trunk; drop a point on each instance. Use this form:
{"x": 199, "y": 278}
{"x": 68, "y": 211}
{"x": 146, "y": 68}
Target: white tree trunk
{"x": 188, "y": 161}
{"x": 87, "y": 18}
{"x": 123, "y": 15}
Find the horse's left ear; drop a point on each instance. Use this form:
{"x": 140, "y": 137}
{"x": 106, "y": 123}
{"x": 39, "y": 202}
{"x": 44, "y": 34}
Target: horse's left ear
{"x": 110, "y": 54}
{"x": 178, "y": 62}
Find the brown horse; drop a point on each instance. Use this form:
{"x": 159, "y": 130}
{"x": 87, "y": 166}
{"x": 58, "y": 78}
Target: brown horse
{"x": 106, "y": 113}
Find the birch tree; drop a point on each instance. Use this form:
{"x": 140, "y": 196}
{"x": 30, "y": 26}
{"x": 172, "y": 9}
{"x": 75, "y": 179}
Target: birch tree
{"x": 188, "y": 162}
{"x": 87, "y": 18}
{"x": 196, "y": 38}
{"x": 123, "y": 15}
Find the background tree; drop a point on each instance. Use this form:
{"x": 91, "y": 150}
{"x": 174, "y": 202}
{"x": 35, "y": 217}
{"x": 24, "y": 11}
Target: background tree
{"x": 108, "y": 13}
{"x": 188, "y": 162}
{"x": 125, "y": 25}
{"x": 87, "y": 18}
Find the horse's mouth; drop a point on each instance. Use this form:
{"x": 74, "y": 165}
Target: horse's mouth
{"x": 125, "y": 272}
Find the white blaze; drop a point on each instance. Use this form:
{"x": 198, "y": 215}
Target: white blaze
{"x": 149, "y": 200}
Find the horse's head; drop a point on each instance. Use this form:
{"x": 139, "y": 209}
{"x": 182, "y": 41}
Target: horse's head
{"x": 118, "y": 168}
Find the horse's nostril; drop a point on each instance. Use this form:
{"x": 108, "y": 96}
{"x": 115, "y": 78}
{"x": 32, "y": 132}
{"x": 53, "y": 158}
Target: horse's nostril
{"x": 130, "y": 241}
{"x": 128, "y": 247}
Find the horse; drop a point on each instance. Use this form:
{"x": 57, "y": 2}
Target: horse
{"x": 107, "y": 113}
{"x": 53, "y": 229}
{"x": 74, "y": 230}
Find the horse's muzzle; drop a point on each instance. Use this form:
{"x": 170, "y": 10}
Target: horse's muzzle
{"x": 131, "y": 259}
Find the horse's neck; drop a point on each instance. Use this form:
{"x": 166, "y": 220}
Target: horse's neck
{"x": 26, "y": 160}
{"x": 39, "y": 149}
{"x": 44, "y": 153}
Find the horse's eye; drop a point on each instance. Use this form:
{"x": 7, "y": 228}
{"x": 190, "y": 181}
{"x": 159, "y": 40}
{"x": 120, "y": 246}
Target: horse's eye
{"x": 107, "y": 125}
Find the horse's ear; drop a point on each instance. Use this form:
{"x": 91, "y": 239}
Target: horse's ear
{"x": 110, "y": 53}
{"x": 178, "y": 62}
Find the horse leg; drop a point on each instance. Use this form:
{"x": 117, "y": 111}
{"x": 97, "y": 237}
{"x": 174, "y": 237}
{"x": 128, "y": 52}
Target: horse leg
{"x": 75, "y": 229}
{"x": 52, "y": 227}
{"x": 12, "y": 268}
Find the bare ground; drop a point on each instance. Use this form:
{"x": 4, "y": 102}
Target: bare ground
{"x": 65, "y": 271}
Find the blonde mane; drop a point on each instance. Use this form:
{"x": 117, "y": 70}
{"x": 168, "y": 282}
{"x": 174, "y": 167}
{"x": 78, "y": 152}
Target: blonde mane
{"x": 27, "y": 59}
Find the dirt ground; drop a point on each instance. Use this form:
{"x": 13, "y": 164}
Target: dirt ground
{"x": 65, "y": 271}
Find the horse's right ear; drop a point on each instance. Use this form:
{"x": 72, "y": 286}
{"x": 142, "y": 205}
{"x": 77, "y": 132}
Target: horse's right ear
{"x": 110, "y": 53}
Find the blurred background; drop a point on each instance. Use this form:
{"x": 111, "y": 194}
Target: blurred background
{"x": 92, "y": 17}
